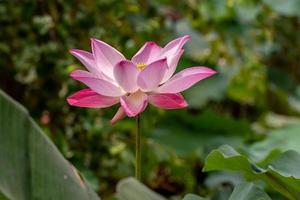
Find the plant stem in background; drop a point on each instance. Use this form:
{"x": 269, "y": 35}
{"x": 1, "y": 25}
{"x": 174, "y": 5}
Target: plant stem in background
{"x": 138, "y": 148}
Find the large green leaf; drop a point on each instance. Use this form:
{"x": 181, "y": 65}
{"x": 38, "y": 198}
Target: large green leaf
{"x": 132, "y": 189}
{"x": 243, "y": 191}
{"x": 281, "y": 173}
{"x": 210, "y": 89}
{"x": 286, "y": 7}
{"x": 248, "y": 191}
{"x": 200, "y": 132}
{"x": 192, "y": 197}
{"x": 31, "y": 167}
{"x": 286, "y": 138}
{"x": 2, "y": 197}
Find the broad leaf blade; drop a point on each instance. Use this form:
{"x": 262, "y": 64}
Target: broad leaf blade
{"x": 248, "y": 191}
{"x": 287, "y": 7}
{"x": 31, "y": 167}
{"x": 2, "y": 197}
{"x": 132, "y": 189}
{"x": 280, "y": 140}
{"x": 281, "y": 174}
{"x": 192, "y": 197}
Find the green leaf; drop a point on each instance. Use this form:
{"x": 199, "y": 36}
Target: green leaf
{"x": 2, "y": 197}
{"x": 248, "y": 86}
{"x": 132, "y": 189}
{"x": 280, "y": 140}
{"x": 243, "y": 191}
{"x": 210, "y": 89}
{"x": 192, "y": 197}
{"x": 248, "y": 191}
{"x": 286, "y": 7}
{"x": 281, "y": 173}
{"x": 31, "y": 166}
{"x": 199, "y": 131}
{"x": 219, "y": 179}
{"x": 247, "y": 11}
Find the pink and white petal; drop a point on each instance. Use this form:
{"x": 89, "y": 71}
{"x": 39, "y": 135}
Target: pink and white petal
{"x": 174, "y": 46}
{"x": 106, "y": 57}
{"x": 125, "y": 74}
{"x": 82, "y": 73}
{"x": 100, "y": 86}
{"x": 185, "y": 79}
{"x": 172, "y": 63}
{"x": 87, "y": 59}
{"x": 151, "y": 76}
{"x": 167, "y": 101}
{"x": 134, "y": 103}
{"x": 120, "y": 114}
{"x": 147, "y": 54}
{"x": 90, "y": 99}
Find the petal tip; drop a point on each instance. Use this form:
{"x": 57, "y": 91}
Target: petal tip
{"x": 120, "y": 114}
{"x": 151, "y": 43}
{"x": 184, "y": 104}
{"x": 113, "y": 122}
{"x": 187, "y": 36}
{"x": 73, "y": 74}
{"x": 71, "y": 101}
{"x": 212, "y": 72}
{"x": 72, "y": 51}
{"x": 207, "y": 70}
{"x": 94, "y": 41}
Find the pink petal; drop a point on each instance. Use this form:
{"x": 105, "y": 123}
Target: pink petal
{"x": 120, "y": 114}
{"x": 90, "y": 99}
{"x": 87, "y": 59}
{"x": 167, "y": 101}
{"x": 174, "y": 46}
{"x": 172, "y": 63}
{"x": 126, "y": 73}
{"x": 150, "y": 77}
{"x": 134, "y": 103}
{"x": 106, "y": 57}
{"x": 100, "y": 86}
{"x": 81, "y": 73}
{"x": 147, "y": 53}
{"x": 185, "y": 79}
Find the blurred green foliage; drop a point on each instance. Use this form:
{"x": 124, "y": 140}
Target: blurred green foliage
{"x": 253, "y": 44}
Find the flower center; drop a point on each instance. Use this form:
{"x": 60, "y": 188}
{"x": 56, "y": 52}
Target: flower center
{"x": 141, "y": 65}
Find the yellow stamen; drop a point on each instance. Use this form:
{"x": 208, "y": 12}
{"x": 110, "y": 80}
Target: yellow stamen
{"x": 141, "y": 65}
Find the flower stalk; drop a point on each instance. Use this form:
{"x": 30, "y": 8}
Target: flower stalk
{"x": 138, "y": 148}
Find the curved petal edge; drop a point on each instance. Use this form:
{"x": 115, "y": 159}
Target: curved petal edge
{"x": 185, "y": 79}
{"x": 134, "y": 103}
{"x": 98, "y": 85}
{"x": 167, "y": 101}
{"x": 120, "y": 114}
{"x": 90, "y": 99}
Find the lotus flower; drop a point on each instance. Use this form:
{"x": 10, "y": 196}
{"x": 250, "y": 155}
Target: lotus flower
{"x": 146, "y": 78}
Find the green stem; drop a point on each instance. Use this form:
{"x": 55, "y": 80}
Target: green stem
{"x": 138, "y": 148}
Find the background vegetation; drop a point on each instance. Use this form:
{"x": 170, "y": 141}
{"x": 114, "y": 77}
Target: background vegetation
{"x": 253, "y": 104}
